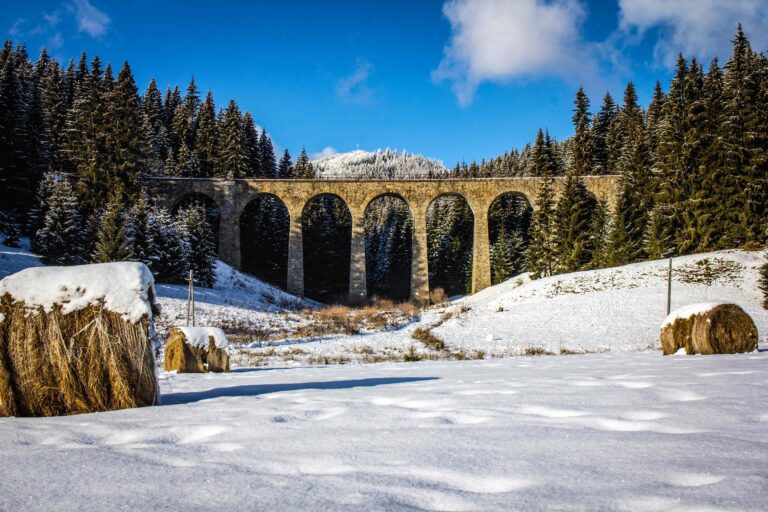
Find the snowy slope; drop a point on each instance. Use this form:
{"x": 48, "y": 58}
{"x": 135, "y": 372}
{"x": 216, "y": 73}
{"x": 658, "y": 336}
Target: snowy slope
{"x": 377, "y": 164}
{"x": 624, "y": 431}
{"x": 615, "y": 309}
{"x": 237, "y": 301}
{"x": 611, "y": 309}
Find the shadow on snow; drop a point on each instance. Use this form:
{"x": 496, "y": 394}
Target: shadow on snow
{"x": 263, "y": 389}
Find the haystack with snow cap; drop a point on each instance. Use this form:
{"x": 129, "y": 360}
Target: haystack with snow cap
{"x": 196, "y": 350}
{"x": 77, "y": 339}
{"x": 709, "y": 328}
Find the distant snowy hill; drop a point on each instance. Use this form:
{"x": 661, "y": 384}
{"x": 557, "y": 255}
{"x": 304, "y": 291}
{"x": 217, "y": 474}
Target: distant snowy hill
{"x": 378, "y": 164}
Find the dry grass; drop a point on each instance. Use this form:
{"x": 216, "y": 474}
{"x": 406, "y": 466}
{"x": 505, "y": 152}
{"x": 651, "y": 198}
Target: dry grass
{"x": 751, "y": 246}
{"x": 89, "y": 360}
{"x": 535, "y": 350}
{"x": 380, "y": 314}
{"x": 428, "y": 338}
{"x": 438, "y": 296}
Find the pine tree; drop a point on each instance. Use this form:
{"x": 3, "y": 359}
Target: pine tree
{"x": 155, "y": 142}
{"x": 572, "y": 220}
{"x": 303, "y": 168}
{"x": 600, "y": 130}
{"x": 267, "y": 153}
{"x": 233, "y": 159}
{"x": 111, "y": 242}
{"x": 542, "y": 250}
{"x": 285, "y": 170}
{"x": 252, "y": 149}
{"x": 199, "y": 236}
{"x": 137, "y": 231}
{"x": 669, "y": 171}
{"x": 60, "y": 239}
{"x": 169, "y": 254}
{"x": 582, "y": 149}
{"x": 206, "y": 145}
{"x": 764, "y": 282}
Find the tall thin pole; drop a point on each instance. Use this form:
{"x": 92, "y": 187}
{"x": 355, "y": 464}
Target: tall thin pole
{"x": 669, "y": 287}
{"x": 192, "y": 290}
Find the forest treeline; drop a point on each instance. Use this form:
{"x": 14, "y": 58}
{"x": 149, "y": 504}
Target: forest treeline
{"x": 75, "y": 141}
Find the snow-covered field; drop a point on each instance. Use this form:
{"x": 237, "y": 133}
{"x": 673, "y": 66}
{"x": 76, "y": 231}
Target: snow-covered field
{"x": 616, "y": 431}
{"x": 608, "y": 310}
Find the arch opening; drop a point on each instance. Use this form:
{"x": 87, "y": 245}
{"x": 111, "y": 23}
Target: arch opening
{"x": 509, "y": 219}
{"x": 450, "y": 232}
{"x": 264, "y": 227}
{"x": 326, "y": 239}
{"x": 212, "y": 211}
{"x": 388, "y": 247}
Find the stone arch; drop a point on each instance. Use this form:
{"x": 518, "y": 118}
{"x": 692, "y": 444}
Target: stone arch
{"x": 509, "y": 218}
{"x": 326, "y": 226}
{"x": 388, "y": 222}
{"x": 264, "y": 232}
{"x": 212, "y": 210}
{"x": 450, "y": 236}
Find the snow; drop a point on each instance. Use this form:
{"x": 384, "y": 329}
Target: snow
{"x": 199, "y": 336}
{"x": 123, "y": 288}
{"x": 690, "y": 310}
{"x": 615, "y": 431}
{"x": 609, "y": 310}
{"x": 386, "y": 164}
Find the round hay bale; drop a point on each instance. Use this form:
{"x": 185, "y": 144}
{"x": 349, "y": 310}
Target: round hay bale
{"x": 724, "y": 329}
{"x": 77, "y": 339}
{"x": 180, "y": 357}
{"x": 197, "y": 350}
{"x": 676, "y": 335}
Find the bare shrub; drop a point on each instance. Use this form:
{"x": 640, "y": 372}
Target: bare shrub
{"x": 428, "y": 338}
{"x": 438, "y": 296}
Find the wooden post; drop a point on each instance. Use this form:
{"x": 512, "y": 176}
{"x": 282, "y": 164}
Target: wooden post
{"x": 191, "y": 299}
{"x": 669, "y": 287}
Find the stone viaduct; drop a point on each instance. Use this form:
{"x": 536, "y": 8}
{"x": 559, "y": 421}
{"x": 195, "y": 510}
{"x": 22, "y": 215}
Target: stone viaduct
{"x": 232, "y": 196}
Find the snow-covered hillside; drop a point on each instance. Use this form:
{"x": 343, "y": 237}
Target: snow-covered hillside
{"x": 615, "y": 309}
{"x": 237, "y": 302}
{"x": 378, "y": 164}
{"x": 627, "y": 431}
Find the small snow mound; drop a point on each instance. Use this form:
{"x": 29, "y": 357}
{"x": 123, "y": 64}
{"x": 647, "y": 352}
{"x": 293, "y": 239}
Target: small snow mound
{"x": 124, "y": 288}
{"x": 689, "y": 311}
{"x": 198, "y": 336}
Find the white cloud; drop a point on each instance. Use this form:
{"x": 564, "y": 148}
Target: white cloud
{"x": 90, "y": 20}
{"x": 15, "y": 29}
{"x": 499, "y": 40}
{"x": 703, "y": 28}
{"x": 326, "y": 152}
{"x": 354, "y": 88}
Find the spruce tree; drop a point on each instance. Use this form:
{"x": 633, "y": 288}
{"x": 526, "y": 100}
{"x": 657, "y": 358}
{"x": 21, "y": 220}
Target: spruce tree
{"x": 206, "y": 146}
{"x": 233, "y": 159}
{"x": 285, "y": 170}
{"x": 137, "y": 230}
{"x": 169, "y": 253}
{"x": 199, "y": 236}
{"x": 303, "y": 167}
{"x": 542, "y": 249}
{"x": 669, "y": 169}
{"x": 267, "y": 153}
{"x": 111, "y": 243}
{"x": 763, "y": 281}
{"x": 582, "y": 150}
{"x": 252, "y": 149}
{"x": 600, "y": 130}
{"x": 60, "y": 239}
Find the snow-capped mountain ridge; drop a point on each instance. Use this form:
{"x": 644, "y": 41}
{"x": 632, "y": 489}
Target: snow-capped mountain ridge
{"x": 382, "y": 164}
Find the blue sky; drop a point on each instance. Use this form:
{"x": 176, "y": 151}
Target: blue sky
{"x": 455, "y": 80}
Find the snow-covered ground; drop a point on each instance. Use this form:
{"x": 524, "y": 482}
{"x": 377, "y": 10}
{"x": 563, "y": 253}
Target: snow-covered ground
{"x": 615, "y": 309}
{"x": 616, "y": 431}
